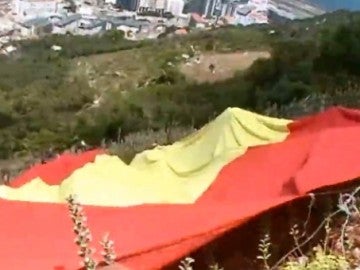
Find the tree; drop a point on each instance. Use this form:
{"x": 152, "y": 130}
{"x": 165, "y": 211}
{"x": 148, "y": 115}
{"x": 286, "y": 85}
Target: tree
{"x": 285, "y": 91}
{"x": 340, "y": 51}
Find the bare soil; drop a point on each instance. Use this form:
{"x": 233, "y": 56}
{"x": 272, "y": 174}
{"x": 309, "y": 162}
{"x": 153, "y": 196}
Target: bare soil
{"x": 226, "y": 64}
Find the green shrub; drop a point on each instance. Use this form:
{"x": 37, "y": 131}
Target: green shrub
{"x": 320, "y": 261}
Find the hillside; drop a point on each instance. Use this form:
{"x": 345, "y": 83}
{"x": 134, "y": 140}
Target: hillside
{"x": 131, "y": 96}
{"x": 109, "y": 88}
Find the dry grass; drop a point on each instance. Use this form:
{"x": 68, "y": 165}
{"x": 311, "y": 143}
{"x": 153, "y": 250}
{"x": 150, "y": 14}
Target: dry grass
{"x": 226, "y": 64}
{"x": 117, "y": 71}
{"x": 139, "y": 141}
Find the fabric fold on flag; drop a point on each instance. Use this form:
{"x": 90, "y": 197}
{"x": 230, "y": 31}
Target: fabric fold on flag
{"x": 313, "y": 152}
{"x": 178, "y": 173}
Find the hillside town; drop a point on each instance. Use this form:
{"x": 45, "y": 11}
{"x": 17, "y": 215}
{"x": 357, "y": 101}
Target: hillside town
{"x": 138, "y": 19}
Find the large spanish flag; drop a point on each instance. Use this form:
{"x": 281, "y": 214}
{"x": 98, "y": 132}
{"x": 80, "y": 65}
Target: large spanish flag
{"x": 174, "y": 199}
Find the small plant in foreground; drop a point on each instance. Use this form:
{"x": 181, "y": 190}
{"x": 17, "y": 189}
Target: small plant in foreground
{"x": 108, "y": 250}
{"x": 83, "y": 235}
{"x": 264, "y": 249}
{"x": 340, "y": 249}
{"x": 186, "y": 264}
{"x": 215, "y": 266}
{"x": 320, "y": 261}
{"x": 295, "y": 233}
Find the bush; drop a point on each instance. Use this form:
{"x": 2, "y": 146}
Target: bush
{"x": 313, "y": 63}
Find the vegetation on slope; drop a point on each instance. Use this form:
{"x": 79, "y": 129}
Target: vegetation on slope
{"x": 47, "y": 97}
{"x": 108, "y": 88}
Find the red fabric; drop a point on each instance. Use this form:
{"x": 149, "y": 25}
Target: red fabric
{"x": 320, "y": 151}
{"x": 56, "y": 170}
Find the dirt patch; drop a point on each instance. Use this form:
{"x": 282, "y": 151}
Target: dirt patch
{"x": 225, "y": 65}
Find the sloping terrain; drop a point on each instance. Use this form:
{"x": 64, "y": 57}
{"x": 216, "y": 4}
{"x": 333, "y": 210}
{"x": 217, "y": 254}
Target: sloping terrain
{"x": 226, "y": 64}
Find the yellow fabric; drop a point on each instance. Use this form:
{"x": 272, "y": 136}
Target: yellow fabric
{"x": 178, "y": 173}
{"x": 35, "y": 190}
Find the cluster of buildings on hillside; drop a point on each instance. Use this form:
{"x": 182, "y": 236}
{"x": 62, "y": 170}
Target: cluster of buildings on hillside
{"x": 24, "y": 19}
{"x": 246, "y": 12}
{"x": 236, "y": 12}
{"x": 294, "y": 9}
{"x": 21, "y": 19}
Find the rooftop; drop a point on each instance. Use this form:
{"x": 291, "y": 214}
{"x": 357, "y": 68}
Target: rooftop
{"x": 69, "y": 19}
{"x": 92, "y": 25}
{"x": 36, "y": 22}
{"x": 127, "y": 21}
{"x": 38, "y": 1}
{"x": 244, "y": 10}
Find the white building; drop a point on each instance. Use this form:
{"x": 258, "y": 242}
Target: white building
{"x": 8, "y": 50}
{"x": 145, "y": 4}
{"x": 254, "y": 12}
{"x": 160, "y": 4}
{"x": 111, "y": 2}
{"x": 175, "y": 7}
{"x": 242, "y": 16}
{"x": 209, "y": 8}
{"x": 260, "y": 4}
{"x": 6, "y": 25}
{"x": 180, "y": 21}
{"x": 152, "y": 4}
{"x": 87, "y": 11}
{"x": 33, "y": 8}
